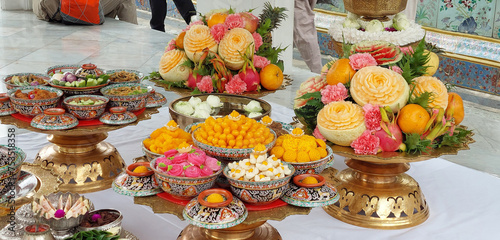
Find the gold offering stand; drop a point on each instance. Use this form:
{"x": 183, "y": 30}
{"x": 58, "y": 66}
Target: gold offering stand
{"x": 376, "y": 193}
{"x": 80, "y": 157}
{"x": 255, "y": 226}
{"x": 184, "y": 92}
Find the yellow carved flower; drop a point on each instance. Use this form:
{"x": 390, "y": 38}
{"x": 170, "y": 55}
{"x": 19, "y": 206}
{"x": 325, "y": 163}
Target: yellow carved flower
{"x": 171, "y": 68}
{"x": 341, "y": 122}
{"x": 439, "y": 97}
{"x": 380, "y": 86}
{"x": 197, "y": 38}
{"x": 233, "y": 45}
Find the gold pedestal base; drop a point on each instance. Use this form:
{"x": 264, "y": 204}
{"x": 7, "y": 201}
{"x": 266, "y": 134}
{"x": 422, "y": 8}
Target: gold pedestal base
{"x": 256, "y": 231}
{"x": 378, "y": 196}
{"x": 83, "y": 163}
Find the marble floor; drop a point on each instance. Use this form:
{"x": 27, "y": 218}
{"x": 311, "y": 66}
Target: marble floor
{"x": 28, "y": 45}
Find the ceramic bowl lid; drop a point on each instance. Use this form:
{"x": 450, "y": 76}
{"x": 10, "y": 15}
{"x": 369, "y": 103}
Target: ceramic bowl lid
{"x": 310, "y": 195}
{"x": 136, "y": 186}
{"x": 118, "y": 116}
{"x": 54, "y": 119}
{"x": 155, "y": 99}
{"x": 225, "y": 214}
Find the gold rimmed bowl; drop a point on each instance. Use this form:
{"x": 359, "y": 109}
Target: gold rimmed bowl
{"x": 33, "y": 107}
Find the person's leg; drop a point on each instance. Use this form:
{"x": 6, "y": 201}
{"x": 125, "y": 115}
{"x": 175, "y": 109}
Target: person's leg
{"x": 158, "y": 14}
{"x": 186, "y": 9}
{"x": 305, "y": 36}
{"x": 124, "y": 9}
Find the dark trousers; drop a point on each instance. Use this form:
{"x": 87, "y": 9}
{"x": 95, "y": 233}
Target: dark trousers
{"x": 159, "y": 12}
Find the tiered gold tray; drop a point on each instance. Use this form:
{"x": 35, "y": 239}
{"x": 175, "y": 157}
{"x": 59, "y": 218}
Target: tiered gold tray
{"x": 80, "y": 157}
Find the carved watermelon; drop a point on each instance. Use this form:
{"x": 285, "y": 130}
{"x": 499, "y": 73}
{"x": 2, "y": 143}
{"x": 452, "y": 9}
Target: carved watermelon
{"x": 384, "y": 52}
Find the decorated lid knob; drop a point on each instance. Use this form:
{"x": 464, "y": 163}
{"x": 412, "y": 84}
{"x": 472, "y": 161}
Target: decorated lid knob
{"x": 54, "y": 111}
{"x": 89, "y": 66}
{"x": 4, "y": 97}
{"x": 267, "y": 121}
{"x": 184, "y": 148}
{"x": 235, "y": 116}
{"x": 215, "y": 198}
{"x": 118, "y": 110}
{"x": 172, "y": 125}
{"x": 297, "y": 132}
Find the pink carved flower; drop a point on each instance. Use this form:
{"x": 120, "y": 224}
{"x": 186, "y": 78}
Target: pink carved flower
{"x": 206, "y": 171}
{"x": 257, "y": 38}
{"x": 361, "y": 60}
{"x": 175, "y": 170}
{"x": 193, "y": 171}
{"x": 212, "y": 163}
{"x": 366, "y": 144}
{"x": 372, "y": 117}
{"x": 199, "y": 22}
{"x": 199, "y": 151}
{"x": 260, "y": 62}
{"x": 205, "y": 84}
{"x": 406, "y": 50}
{"x": 170, "y": 153}
{"x": 234, "y": 21}
{"x": 171, "y": 45}
{"x": 236, "y": 85}
{"x": 318, "y": 135}
{"x": 163, "y": 166}
{"x": 396, "y": 69}
{"x": 179, "y": 158}
{"x": 333, "y": 93}
{"x": 195, "y": 159}
{"x": 163, "y": 160}
{"x": 218, "y": 31}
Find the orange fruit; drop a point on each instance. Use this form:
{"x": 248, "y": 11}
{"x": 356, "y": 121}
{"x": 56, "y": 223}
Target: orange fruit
{"x": 271, "y": 77}
{"x": 340, "y": 72}
{"x": 412, "y": 119}
{"x": 179, "y": 41}
{"x": 216, "y": 18}
{"x": 455, "y": 101}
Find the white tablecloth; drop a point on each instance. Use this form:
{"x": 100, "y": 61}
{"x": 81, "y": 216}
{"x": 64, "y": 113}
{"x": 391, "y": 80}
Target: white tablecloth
{"x": 463, "y": 202}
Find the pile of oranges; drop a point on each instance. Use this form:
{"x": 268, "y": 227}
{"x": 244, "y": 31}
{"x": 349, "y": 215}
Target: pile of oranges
{"x": 298, "y": 147}
{"x": 232, "y": 131}
{"x": 166, "y": 138}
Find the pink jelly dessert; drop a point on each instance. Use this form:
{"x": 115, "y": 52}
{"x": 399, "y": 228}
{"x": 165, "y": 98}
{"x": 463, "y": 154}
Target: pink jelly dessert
{"x": 187, "y": 161}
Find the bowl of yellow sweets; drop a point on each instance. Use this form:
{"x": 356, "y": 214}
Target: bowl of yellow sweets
{"x": 163, "y": 139}
{"x": 231, "y": 137}
{"x": 305, "y": 153}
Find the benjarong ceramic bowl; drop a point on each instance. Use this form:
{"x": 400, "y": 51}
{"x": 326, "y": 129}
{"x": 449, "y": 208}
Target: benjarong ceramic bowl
{"x": 184, "y": 187}
{"x": 117, "y": 223}
{"x": 33, "y": 107}
{"x": 259, "y": 193}
{"x": 314, "y": 167}
{"x": 5, "y": 105}
{"x": 150, "y": 155}
{"x": 310, "y": 195}
{"x": 228, "y": 154}
{"x": 230, "y": 103}
{"x": 202, "y": 213}
{"x": 54, "y": 119}
{"x": 124, "y": 78}
{"x": 131, "y": 102}
{"x": 86, "y": 112}
{"x": 131, "y": 183}
{"x": 10, "y": 167}
{"x": 10, "y": 85}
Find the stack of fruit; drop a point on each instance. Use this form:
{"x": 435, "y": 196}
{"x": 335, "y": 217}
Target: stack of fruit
{"x": 382, "y": 97}
{"x": 226, "y": 51}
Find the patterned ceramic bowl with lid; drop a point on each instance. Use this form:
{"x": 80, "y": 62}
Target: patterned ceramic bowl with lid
{"x": 86, "y": 107}
{"x": 310, "y": 190}
{"x": 11, "y": 160}
{"x": 133, "y": 96}
{"x": 5, "y": 105}
{"x": 138, "y": 180}
{"x": 29, "y": 101}
{"x": 118, "y": 116}
{"x": 54, "y": 119}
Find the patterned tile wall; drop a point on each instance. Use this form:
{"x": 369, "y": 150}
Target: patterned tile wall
{"x": 427, "y": 12}
{"x": 467, "y": 16}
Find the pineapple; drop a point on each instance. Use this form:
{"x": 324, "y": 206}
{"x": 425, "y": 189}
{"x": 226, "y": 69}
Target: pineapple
{"x": 275, "y": 15}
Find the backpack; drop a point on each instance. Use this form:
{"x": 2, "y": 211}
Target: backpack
{"x": 86, "y": 12}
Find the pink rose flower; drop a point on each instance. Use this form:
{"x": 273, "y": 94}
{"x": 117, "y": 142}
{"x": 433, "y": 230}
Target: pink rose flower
{"x": 163, "y": 166}
{"x": 396, "y": 69}
{"x": 234, "y": 21}
{"x": 318, "y": 135}
{"x": 333, "y": 93}
{"x": 193, "y": 172}
{"x": 175, "y": 170}
{"x": 366, "y": 144}
{"x": 260, "y": 62}
{"x": 257, "y": 38}
{"x": 372, "y": 117}
{"x": 218, "y": 31}
{"x": 212, "y": 163}
{"x": 171, "y": 45}
{"x": 179, "y": 158}
{"x": 195, "y": 159}
{"x": 163, "y": 160}
{"x": 361, "y": 60}
{"x": 199, "y": 151}
{"x": 236, "y": 85}
{"x": 206, "y": 171}
{"x": 170, "y": 153}
{"x": 199, "y": 22}
{"x": 406, "y": 50}
{"x": 205, "y": 84}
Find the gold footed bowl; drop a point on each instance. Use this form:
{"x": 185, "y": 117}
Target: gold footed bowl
{"x": 376, "y": 193}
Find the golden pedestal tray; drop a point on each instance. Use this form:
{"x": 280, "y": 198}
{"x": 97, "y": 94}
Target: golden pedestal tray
{"x": 254, "y": 227}
{"x": 376, "y": 193}
{"x": 184, "y": 92}
{"x": 79, "y": 156}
